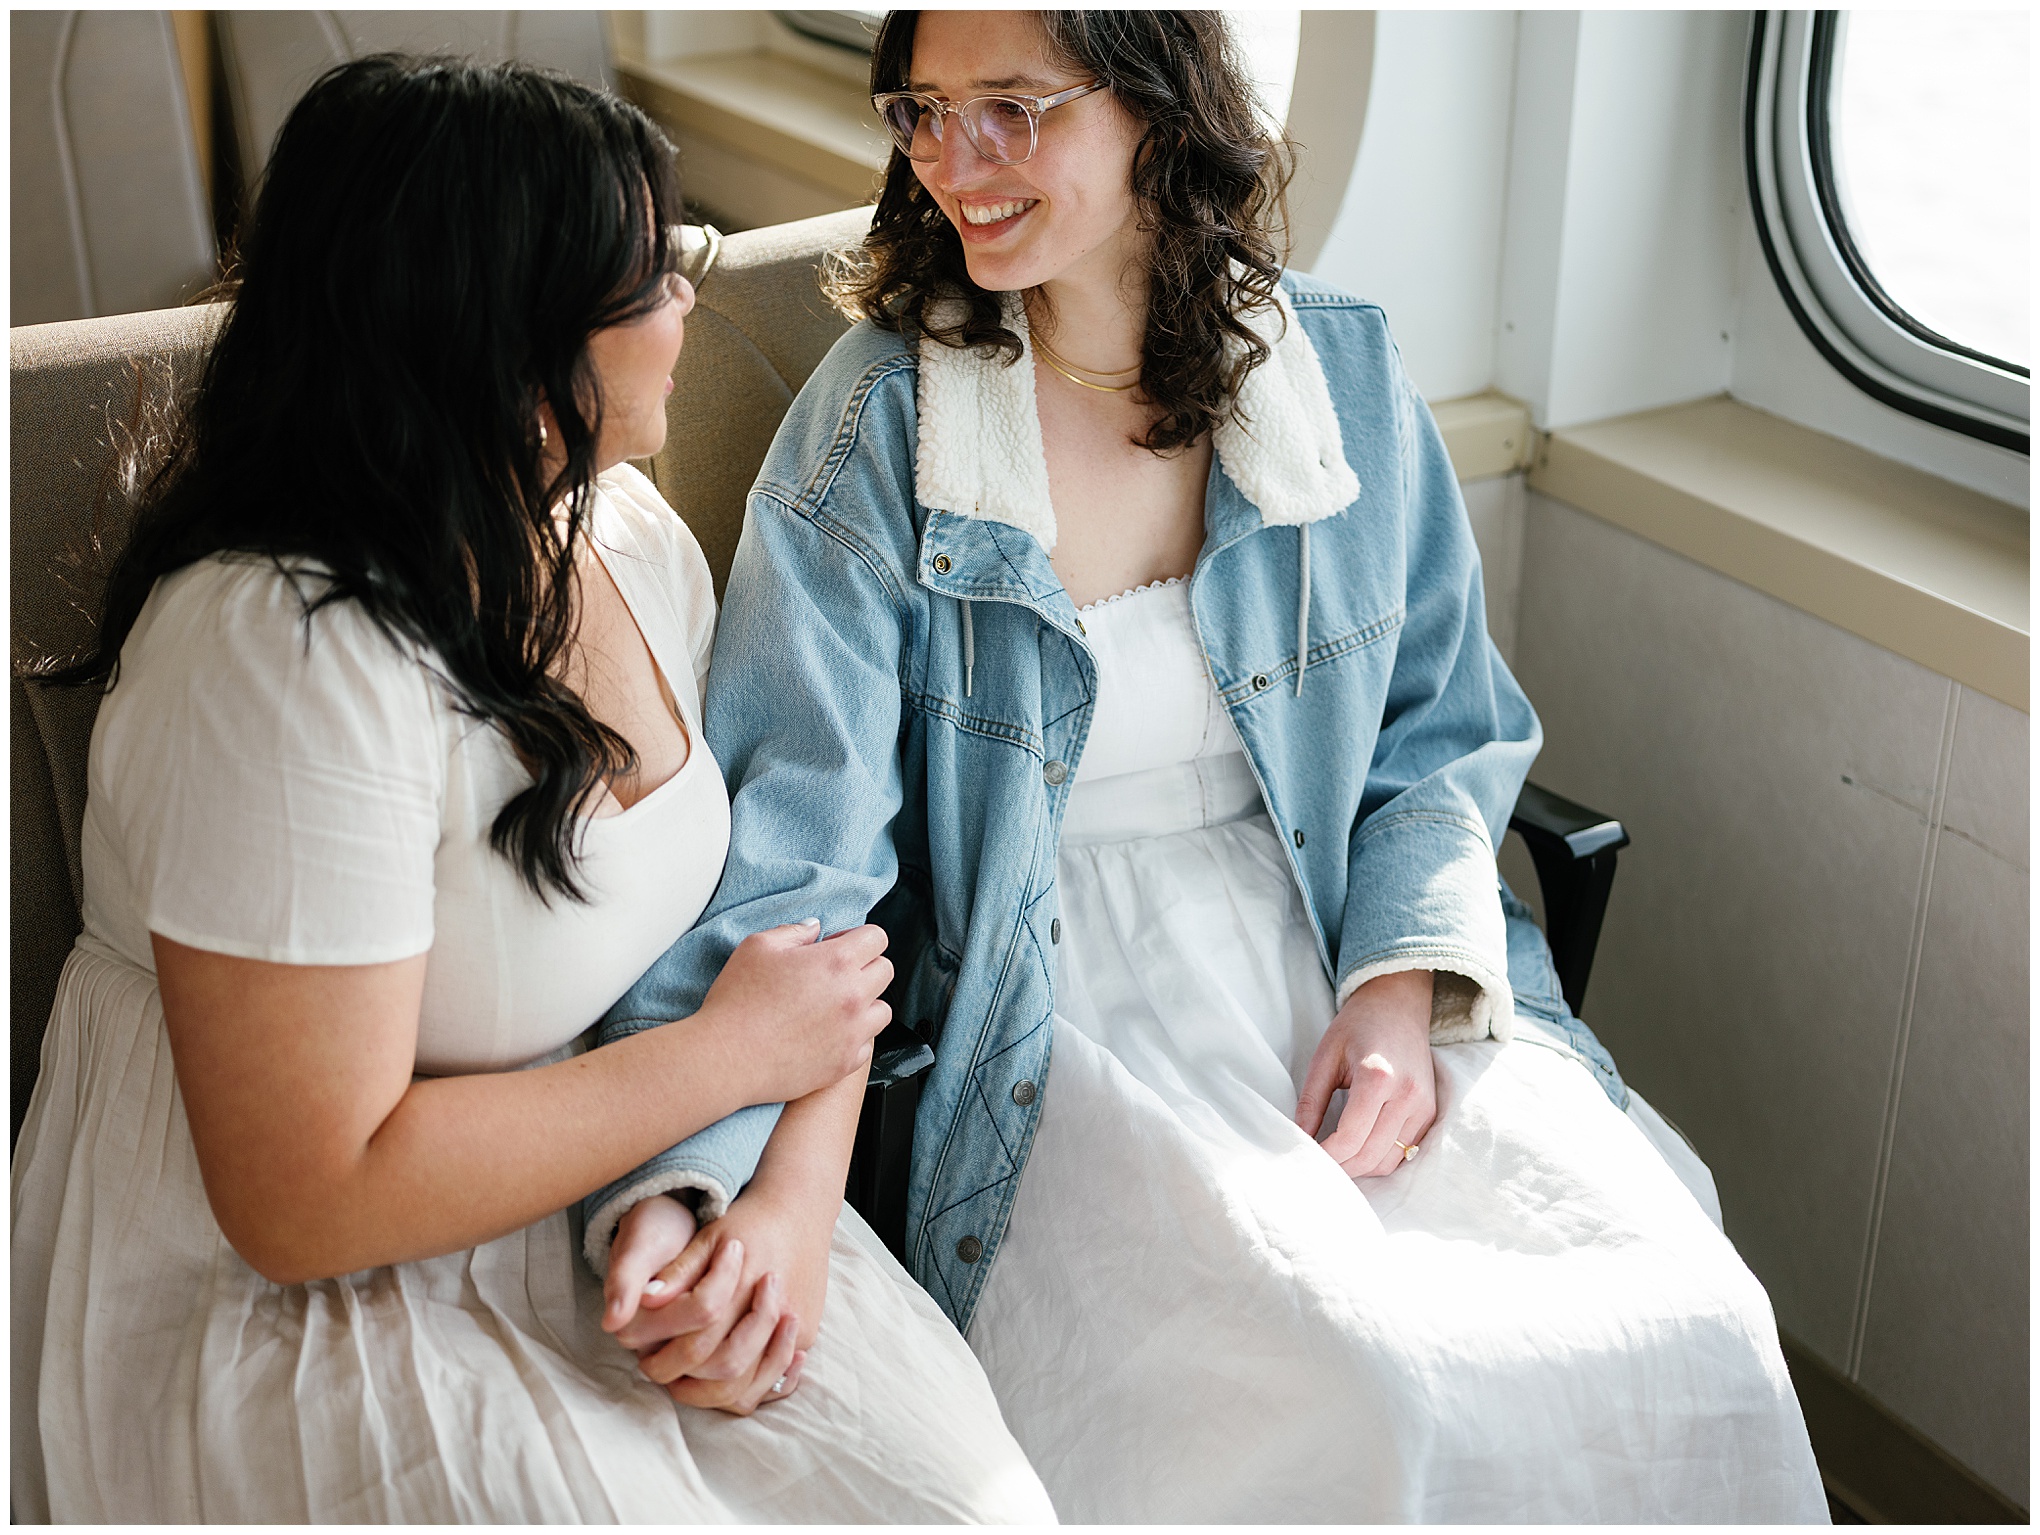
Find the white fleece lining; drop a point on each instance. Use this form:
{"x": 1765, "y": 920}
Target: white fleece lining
{"x": 1288, "y": 460}
{"x": 601, "y": 1233}
{"x": 980, "y": 452}
{"x": 1468, "y": 1001}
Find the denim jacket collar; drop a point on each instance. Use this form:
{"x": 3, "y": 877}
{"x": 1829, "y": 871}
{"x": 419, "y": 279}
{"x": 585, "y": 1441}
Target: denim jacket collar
{"x": 980, "y": 456}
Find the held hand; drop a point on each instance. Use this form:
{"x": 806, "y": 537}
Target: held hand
{"x": 652, "y": 1233}
{"x": 735, "y": 1312}
{"x": 1379, "y": 1050}
{"x": 799, "y": 1014}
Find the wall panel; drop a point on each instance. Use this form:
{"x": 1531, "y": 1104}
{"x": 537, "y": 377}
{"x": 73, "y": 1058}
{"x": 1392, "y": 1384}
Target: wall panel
{"x": 1776, "y": 774}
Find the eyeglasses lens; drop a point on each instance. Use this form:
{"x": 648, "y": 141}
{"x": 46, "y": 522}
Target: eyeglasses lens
{"x": 1000, "y": 129}
{"x": 914, "y": 129}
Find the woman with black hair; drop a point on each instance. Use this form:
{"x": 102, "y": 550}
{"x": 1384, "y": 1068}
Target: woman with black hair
{"x": 1107, "y": 607}
{"x": 398, "y": 781}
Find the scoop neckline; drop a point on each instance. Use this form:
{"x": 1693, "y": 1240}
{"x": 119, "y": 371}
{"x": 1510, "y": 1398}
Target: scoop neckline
{"x": 695, "y": 744}
{"x": 1133, "y": 591}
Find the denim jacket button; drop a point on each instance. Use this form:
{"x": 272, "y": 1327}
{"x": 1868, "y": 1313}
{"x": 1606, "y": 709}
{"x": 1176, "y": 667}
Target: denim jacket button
{"x": 1260, "y": 681}
{"x": 1023, "y": 1093}
{"x": 1086, "y": 633}
{"x": 941, "y": 564}
{"x": 970, "y": 1249}
{"x": 1054, "y": 772}
{"x": 1055, "y": 929}
{"x": 1299, "y": 837}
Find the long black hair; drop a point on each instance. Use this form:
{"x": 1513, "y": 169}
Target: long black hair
{"x": 1210, "y": 178}
{"x": 433, "y": 244}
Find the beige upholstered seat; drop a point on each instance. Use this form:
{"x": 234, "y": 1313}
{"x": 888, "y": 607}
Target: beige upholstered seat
{"x": 270, "y": 57}
{"x": 82, "y": 389}
{"x": 108, "y": 205}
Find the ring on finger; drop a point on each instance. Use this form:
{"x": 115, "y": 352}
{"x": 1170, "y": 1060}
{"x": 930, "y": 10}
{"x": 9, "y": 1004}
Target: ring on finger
{"x": 1410, "y": 1150}
{"x": 778, "y": 1387}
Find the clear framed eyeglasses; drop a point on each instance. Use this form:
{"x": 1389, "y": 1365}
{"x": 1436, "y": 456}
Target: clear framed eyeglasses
{"x": 1004, "y": 128}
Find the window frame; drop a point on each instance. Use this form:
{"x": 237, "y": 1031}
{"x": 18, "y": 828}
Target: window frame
{"x": 847, "y": 30}
{"x": 1829, "y": 288}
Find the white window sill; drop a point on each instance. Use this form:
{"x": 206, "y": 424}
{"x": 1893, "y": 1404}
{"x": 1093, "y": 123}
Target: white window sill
{"x": 1921, "y": 566}
{"x": 778, "y": 112}
{"x": 1485, "y": 434}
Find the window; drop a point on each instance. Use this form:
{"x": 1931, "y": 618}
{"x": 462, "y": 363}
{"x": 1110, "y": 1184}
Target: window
{"x": 1887, "y": 159}
{"x": 855, "y": 30}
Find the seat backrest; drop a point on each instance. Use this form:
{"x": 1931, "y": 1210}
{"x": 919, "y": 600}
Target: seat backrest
{"x": 272, "y": 57}
{"x": 79, "y": 392}
{"x": 759, "y": 327}
{"x": 107, "y": 200}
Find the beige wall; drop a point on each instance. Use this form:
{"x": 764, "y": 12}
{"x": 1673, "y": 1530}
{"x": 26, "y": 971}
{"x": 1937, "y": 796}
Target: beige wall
{"x": 1815, "y": 961}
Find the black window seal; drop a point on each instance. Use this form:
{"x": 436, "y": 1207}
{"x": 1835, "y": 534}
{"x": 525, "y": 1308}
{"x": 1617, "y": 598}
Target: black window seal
{"x": 1820, "y": 147}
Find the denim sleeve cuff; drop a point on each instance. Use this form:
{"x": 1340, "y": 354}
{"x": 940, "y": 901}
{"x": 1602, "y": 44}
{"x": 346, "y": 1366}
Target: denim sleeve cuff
{"x": 1423, "y": 897}
{"x": 717, "y": 1162}
{"x": 1467, "y": 1001}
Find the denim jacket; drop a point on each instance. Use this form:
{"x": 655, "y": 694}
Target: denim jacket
{"x": 901, "y": 691}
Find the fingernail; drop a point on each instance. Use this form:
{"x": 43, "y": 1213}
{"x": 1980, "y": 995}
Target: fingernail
{"x": 656, "y": 1287}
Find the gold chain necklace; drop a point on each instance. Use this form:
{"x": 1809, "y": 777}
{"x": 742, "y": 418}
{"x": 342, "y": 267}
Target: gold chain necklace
{"x": 1063, "y": 366}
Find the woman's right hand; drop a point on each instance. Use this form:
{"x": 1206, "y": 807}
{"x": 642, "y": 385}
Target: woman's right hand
{"x": 799, "y": 1011}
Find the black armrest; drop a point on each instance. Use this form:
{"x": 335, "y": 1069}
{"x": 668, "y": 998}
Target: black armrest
{"x": 1574, "y": 849}
{"x": 883, "y": 1152}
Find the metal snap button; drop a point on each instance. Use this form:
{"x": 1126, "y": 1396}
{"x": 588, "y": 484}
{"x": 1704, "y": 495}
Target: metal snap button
{"x": 1023, "y": 1093}
{"x": 1055, "y": 929}
{"x": 1086, "y": 633}
{"x": 1260, "y": 681}
{"x": 941, "y": 564}
{"x": 970, "y": 1249}
{"x": 1054, "y": 772}
{"x": 1299, "y": 838}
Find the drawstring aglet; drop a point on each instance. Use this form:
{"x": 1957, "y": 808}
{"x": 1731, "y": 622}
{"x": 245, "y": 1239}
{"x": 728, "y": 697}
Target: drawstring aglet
{"x": 969, "y": 647}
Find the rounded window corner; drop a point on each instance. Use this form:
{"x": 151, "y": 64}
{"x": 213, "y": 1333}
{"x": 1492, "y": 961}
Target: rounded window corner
{"x": 1832, "y": 291}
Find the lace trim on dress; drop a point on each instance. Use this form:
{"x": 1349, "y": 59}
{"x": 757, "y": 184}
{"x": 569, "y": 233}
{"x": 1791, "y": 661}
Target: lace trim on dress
{"x": 1131, "y": 591}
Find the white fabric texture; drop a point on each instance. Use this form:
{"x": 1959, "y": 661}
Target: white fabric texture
{"x": 318, "y": 799}
{"x": 1197, "y": 1316}
{"x": 156, "y": 1377}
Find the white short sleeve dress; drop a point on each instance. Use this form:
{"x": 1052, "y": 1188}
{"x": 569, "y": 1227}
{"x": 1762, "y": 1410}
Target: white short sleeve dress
{"x": 1197, "y": 1316}
{"x": 306, "y": 792}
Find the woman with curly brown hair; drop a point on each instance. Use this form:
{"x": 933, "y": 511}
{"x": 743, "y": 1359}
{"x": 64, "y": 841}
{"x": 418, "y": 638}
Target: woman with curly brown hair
{"x": 1107, "y": 622}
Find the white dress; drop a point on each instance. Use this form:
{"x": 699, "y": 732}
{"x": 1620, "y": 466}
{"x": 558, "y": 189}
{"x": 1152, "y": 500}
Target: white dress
{"x": 318, "y": 799}
{"x": 1195, "y": 1315}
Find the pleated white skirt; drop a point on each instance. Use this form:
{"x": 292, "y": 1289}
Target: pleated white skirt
{"x": 156, "y": 1377}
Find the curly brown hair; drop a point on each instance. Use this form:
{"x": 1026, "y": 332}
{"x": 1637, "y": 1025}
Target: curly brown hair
{"x": 1209, "y": 178}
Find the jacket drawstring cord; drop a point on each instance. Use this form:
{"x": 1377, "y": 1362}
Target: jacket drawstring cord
{"x": 1302, "y": 602}
{"x": 969, "y": 646}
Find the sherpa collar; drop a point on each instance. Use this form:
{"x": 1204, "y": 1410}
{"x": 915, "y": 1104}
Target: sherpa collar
{"x": 980, "y": 451}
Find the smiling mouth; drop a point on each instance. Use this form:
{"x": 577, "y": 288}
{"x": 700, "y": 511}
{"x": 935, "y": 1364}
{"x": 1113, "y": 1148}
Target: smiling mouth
{"x": 982, "y": 215}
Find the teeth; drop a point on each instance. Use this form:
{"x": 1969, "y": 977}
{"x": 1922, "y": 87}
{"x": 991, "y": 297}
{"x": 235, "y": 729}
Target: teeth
{"x": 991, "y": 213}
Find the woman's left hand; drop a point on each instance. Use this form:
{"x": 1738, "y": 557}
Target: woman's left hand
{"x": 1379, "y": 1049}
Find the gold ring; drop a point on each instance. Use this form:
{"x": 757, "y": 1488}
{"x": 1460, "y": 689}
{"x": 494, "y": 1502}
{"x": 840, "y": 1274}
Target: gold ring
{"x": 1408, "y": 1151}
